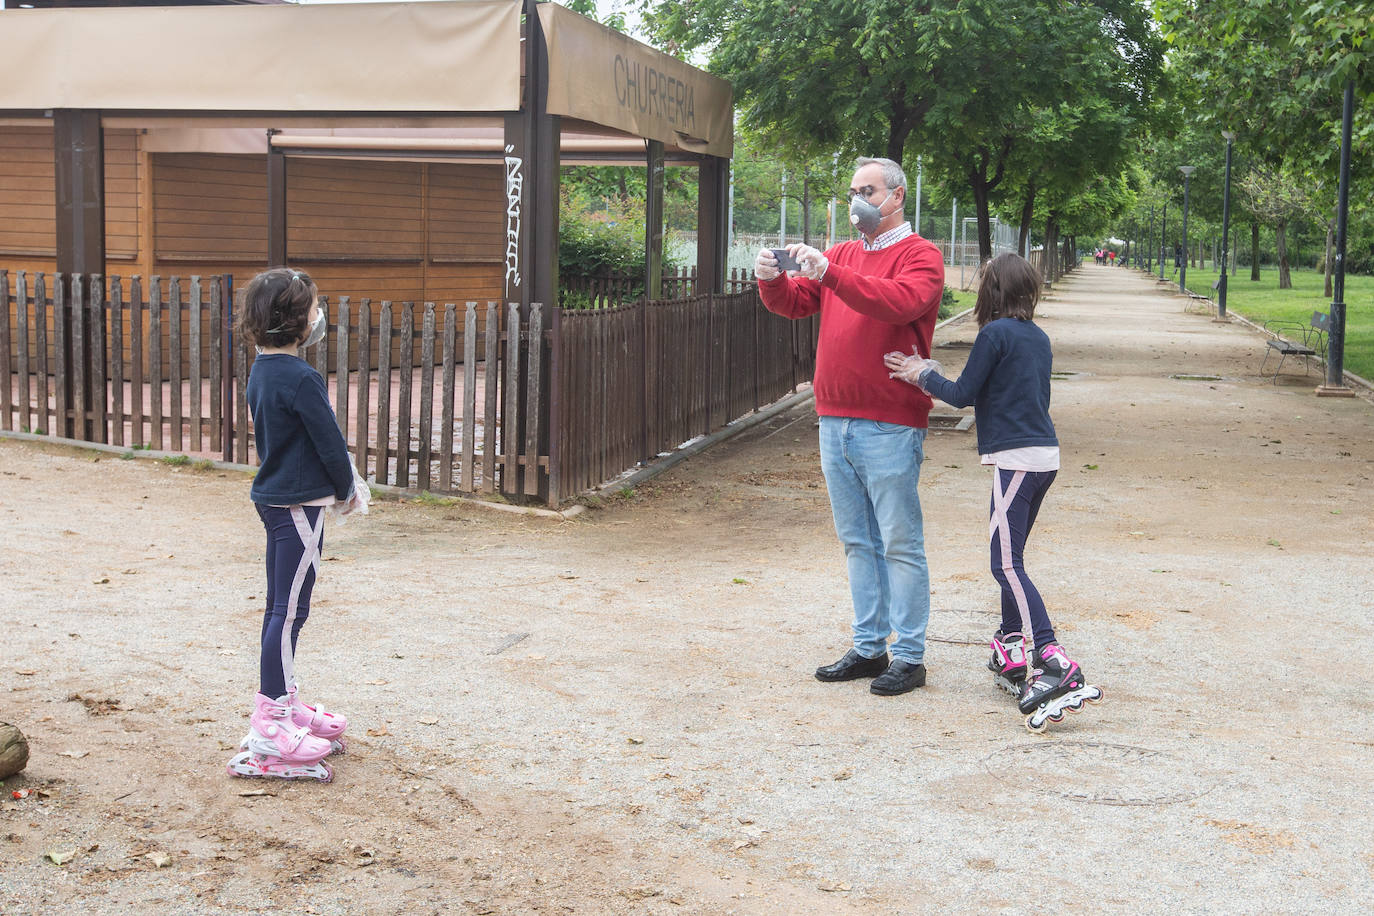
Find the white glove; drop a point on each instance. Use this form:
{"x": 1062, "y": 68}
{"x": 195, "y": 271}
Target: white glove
{"x": 813, "y": 263}
{"x": 910, "y": 369}
{"x": 765, "y": 265}
{"x": 357, "y": 501}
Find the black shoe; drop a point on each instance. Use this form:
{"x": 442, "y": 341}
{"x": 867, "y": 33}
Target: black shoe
{"x": 852, "y": 667}
{"x": 899, "y": 677}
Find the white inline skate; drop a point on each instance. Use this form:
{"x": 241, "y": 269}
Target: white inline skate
{"x": 1054, "y": 688}
{"x": 1008, "y": 662}
{"x": 277, "y": 747}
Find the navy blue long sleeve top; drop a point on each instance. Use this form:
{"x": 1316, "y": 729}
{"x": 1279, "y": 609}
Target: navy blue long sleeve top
{"x": 1007, "y": 380}
{"x": 301, "y": 453}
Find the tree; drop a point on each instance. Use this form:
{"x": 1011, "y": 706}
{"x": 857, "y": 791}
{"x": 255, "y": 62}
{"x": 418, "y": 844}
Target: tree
{"x": 959, "y": 77}
{"x": 1278, "y": 197}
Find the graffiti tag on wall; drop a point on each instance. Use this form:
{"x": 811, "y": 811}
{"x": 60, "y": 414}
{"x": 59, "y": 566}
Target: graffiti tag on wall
{"x": 515, "y": 181}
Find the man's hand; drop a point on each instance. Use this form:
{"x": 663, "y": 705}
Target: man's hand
{"x": 765, "y": 265}
{"x": 813, "y": 263}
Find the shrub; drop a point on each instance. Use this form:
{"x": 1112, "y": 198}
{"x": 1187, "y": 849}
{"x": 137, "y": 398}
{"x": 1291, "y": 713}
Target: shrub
{"x": 600, "y": 240}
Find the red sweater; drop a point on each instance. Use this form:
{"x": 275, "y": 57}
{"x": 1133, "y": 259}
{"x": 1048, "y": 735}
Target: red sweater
{"x": 871, "y": 303}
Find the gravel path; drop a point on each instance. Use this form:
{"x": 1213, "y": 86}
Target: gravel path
{"x": 616, "y": 714}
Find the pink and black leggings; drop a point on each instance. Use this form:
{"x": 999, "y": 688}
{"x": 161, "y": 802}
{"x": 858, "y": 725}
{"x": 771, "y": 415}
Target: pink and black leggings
{"x": 1016, "y": 498}
{"x": 295, "y": 537}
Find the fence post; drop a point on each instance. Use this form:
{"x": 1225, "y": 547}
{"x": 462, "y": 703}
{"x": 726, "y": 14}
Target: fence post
{"x": 535, "y": 357}
{"x": 226, "y": 395}
{"x": 555, "y": 424}
{"x": 6, "y": 391}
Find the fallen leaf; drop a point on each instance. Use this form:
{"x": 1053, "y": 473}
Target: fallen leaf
{"x": 253, "y": 793}
{"x": 842, "y": 775}
{"x": 379, "y": 732}
{"x": 377, "y": 682}
{"x": 833, "y": 886}
{"x": 61, "y": 856}
{"x": 103, "y": 580}
{"x": 159, "y": 859}
{"x": 425, "y": 720}
{"x": 535, "y": 657}
{"x": 25, "y": 672}
{"x": 75, "y": 755}
{"x": 634, "y": 740}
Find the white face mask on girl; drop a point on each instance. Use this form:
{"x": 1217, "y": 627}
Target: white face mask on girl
{"x": 316, "y": 330}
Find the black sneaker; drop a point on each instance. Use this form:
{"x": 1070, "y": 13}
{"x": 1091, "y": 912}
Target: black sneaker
{"x": 900, "y": 677}
{"x": 852, "y": 667}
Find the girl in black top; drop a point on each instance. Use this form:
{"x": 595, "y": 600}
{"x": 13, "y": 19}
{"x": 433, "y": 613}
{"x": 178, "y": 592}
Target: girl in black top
{"x": 1007, "y": 378}
{"x": 303, "y": 468}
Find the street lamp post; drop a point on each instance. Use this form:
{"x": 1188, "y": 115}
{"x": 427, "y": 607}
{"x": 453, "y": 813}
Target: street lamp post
{"x": 1187, "y": 171}
{"x": 1335, "y": 338}
{"x": 1230, "y": 136}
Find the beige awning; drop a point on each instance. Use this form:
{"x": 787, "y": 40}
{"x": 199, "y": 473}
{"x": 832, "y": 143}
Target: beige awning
{"x": 599, "y": 75}
{"x": 366, "y": 57}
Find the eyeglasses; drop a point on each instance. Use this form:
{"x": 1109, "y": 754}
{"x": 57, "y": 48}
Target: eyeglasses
{"x": 865, "y": 192}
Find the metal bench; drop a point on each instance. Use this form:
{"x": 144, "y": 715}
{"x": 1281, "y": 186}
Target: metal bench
{"x": 1312, "y": 336}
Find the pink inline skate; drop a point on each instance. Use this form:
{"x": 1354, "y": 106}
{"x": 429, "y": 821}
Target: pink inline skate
{"x": 277, "y": 747}
{"x": 320, "y": 722}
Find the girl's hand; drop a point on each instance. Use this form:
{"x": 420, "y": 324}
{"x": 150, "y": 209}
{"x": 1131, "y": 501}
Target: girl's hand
{"x": 909, "y": 369}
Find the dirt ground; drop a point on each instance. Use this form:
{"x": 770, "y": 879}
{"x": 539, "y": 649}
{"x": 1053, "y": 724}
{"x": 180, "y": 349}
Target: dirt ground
{"x": 616, "y": 713}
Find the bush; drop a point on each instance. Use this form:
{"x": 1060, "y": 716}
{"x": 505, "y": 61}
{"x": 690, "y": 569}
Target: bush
{"x": 947, "y": 304}
{"x": 601, "y": 240}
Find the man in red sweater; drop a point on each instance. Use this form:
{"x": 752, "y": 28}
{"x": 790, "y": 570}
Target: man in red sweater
{"x": 875, "y": 296}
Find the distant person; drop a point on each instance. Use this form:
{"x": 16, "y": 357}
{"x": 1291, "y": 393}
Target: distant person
{"x": 875, "y": 295}
{"x": 1007, "y": 379}
{"x": 1111, "y": 257}
{"x": 303, "y": 469}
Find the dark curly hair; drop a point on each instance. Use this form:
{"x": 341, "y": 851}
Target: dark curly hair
{"x": 1008, "y": 287}
{"x": 274, "y": 307}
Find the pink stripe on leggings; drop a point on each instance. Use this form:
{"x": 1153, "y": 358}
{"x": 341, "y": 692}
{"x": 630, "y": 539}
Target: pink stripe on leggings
{"x": 310, "y": 558}
{"x": 1000, "y": 527}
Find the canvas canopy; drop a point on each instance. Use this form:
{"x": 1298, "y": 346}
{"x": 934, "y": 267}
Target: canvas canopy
{"x": 353, "y": 60}
{"x": 378, "y": 57}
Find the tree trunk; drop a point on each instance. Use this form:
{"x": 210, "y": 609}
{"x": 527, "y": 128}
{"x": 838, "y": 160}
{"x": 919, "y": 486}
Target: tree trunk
{"x": 806, "y": 208}
{"x": 1327, "y": 266}
{"x": 1254, "y": 251}
{"x": 1027, "y": 211}
{"x": 1281, "y": 243}
{"x": 981, "y": 191}
{"x": 1051, "y": 259}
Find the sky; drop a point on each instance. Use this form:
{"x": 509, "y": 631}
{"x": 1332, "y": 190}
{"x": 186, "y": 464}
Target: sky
{"x": 604, "y": 7}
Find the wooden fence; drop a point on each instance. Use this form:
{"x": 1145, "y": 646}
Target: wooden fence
{"x": 608, "y": 290}
{"x": 642, "y": 379}
{"x": 482, "y": 398}
{"x": 165, "y": 373}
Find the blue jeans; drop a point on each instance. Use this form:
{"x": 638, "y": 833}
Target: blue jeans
{"x": 871, "y": 470}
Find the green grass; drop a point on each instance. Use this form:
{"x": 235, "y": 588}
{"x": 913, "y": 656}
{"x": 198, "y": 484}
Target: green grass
{"x": 1264, "y": 301}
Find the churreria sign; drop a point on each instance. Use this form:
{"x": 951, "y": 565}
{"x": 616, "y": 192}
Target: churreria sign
{"x": 654, "y": 93}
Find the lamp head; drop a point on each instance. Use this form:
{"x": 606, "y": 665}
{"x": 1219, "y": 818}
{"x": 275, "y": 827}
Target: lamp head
{"x": 1187, "y": 170}
{"x": 1229, "y": 135}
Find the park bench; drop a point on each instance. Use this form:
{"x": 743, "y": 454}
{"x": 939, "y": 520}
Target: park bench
{"x": 1312, "y": 336}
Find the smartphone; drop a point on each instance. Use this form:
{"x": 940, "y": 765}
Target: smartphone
{"x": 785, "y": 259}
